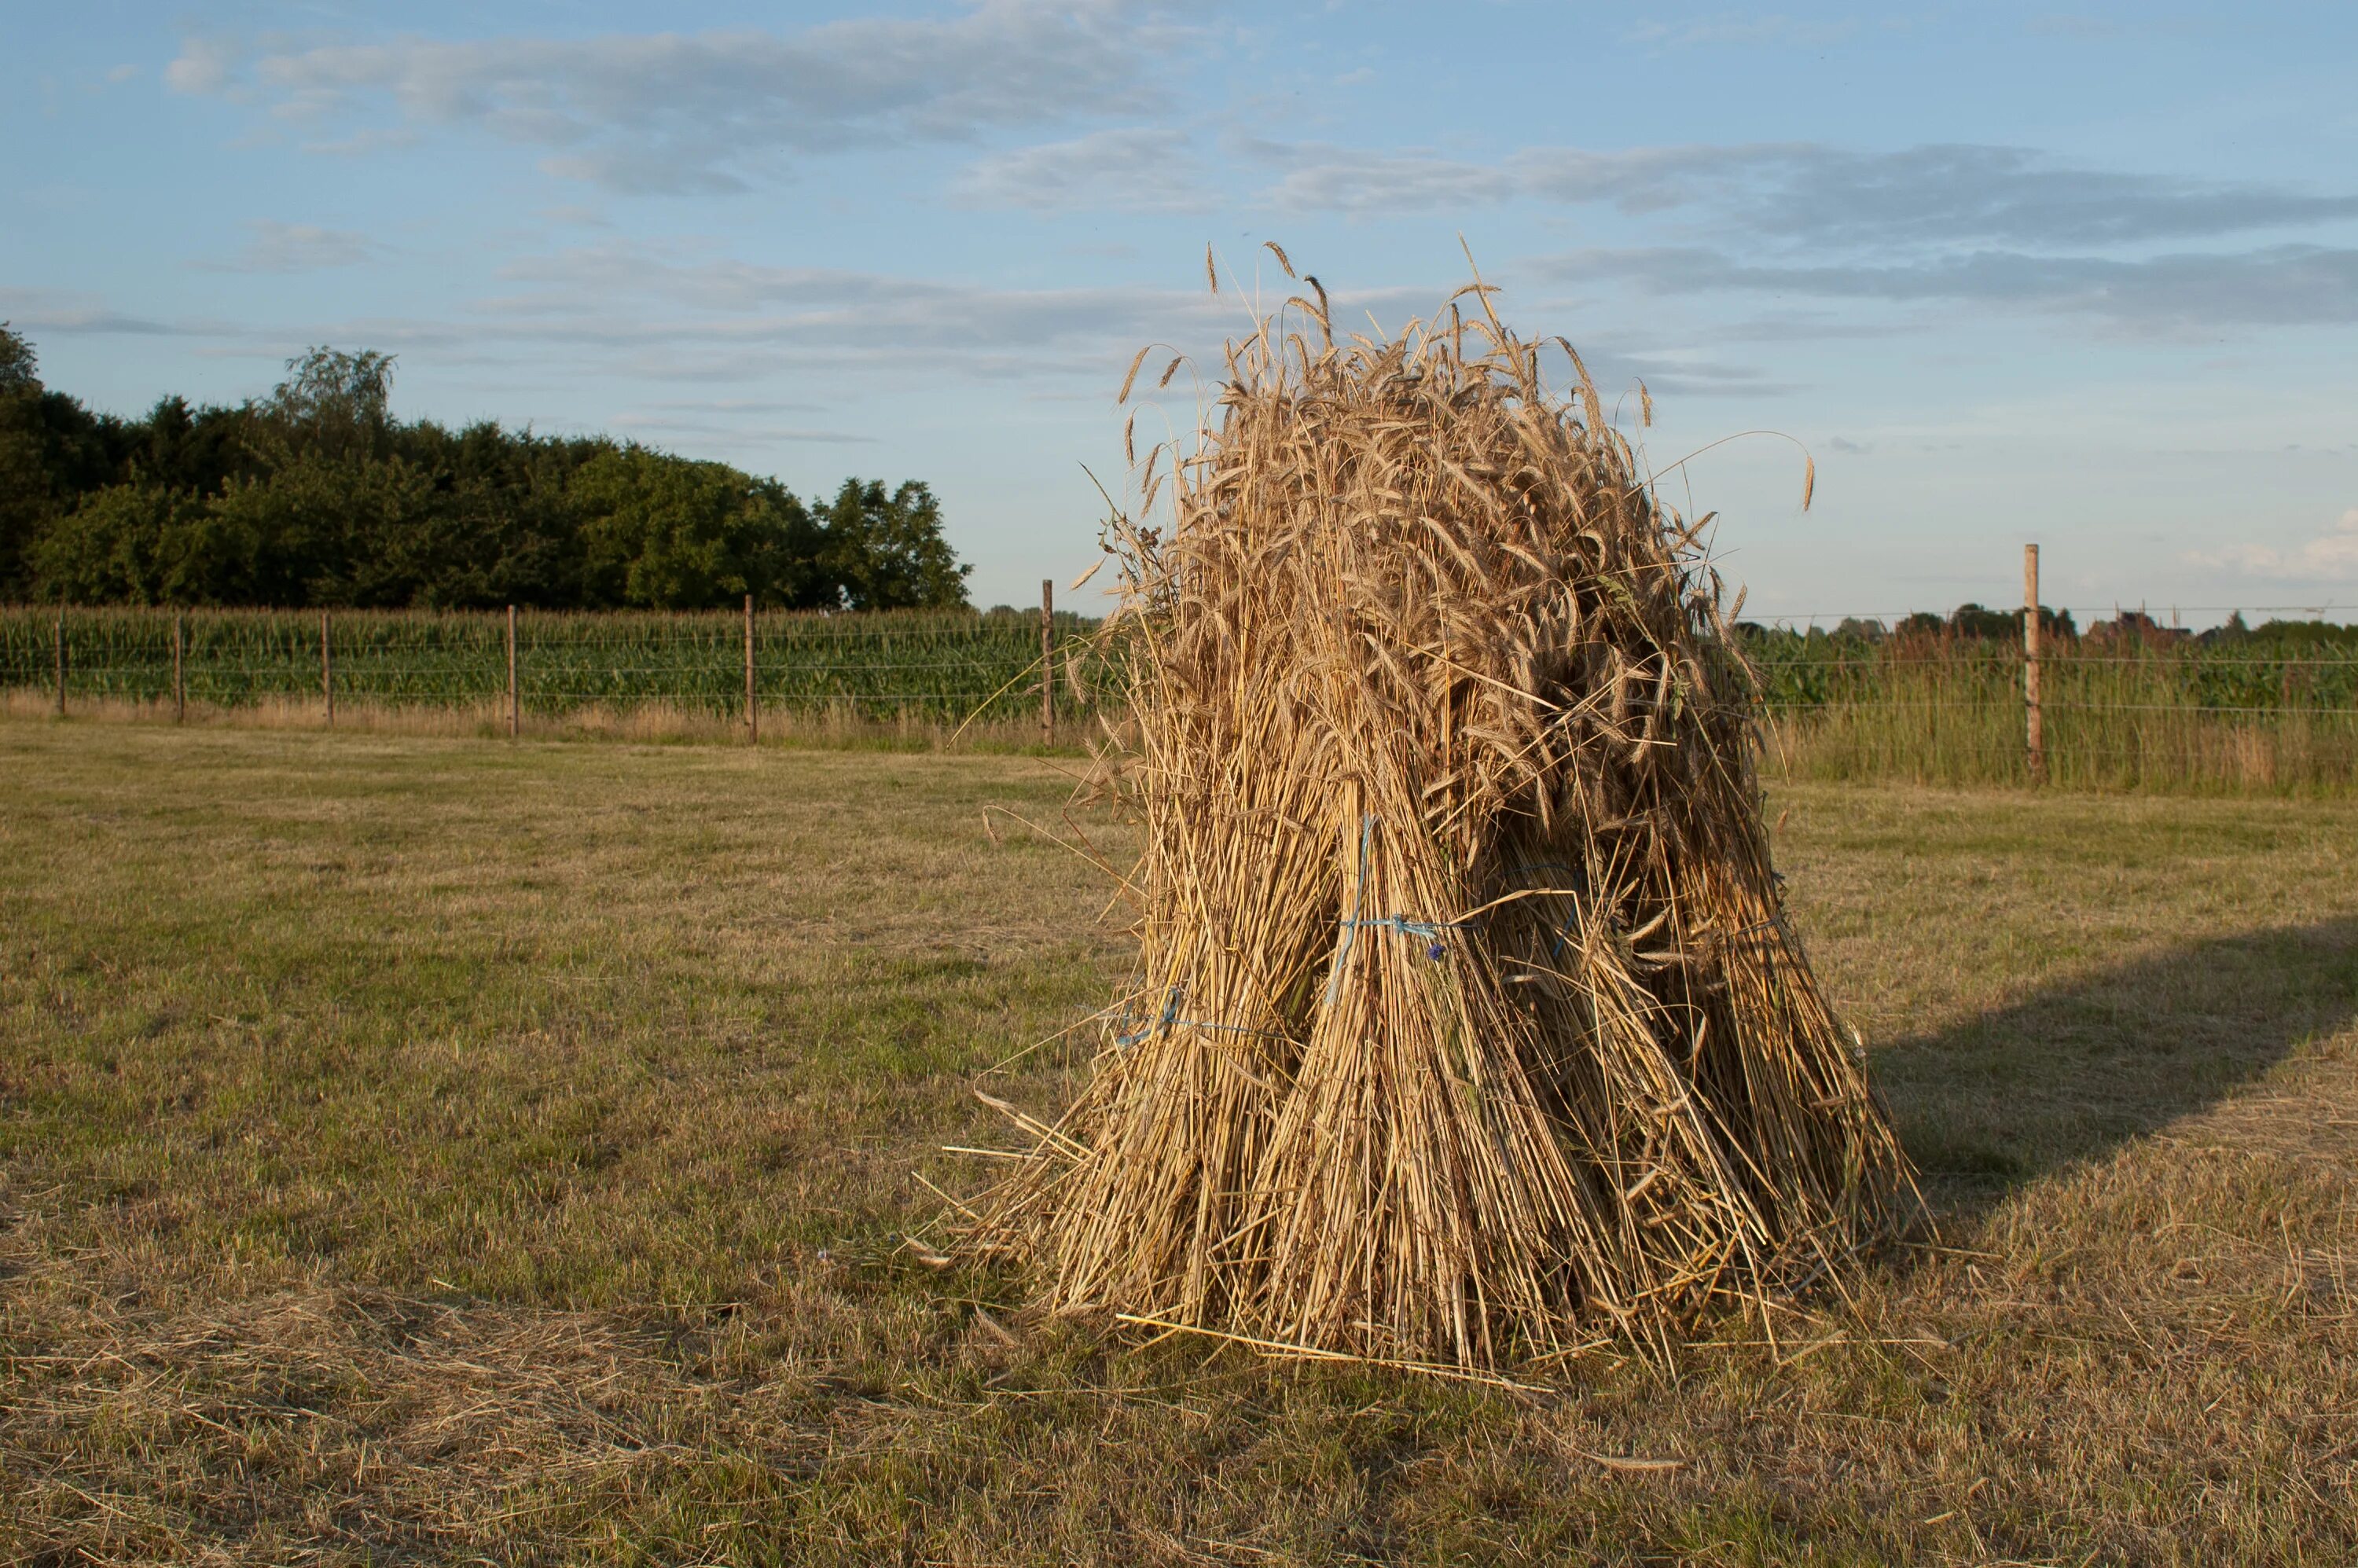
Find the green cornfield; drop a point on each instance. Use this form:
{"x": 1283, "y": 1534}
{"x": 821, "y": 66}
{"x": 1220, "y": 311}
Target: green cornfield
{"x": 931, "y": 665}
{"x": 2260, "y": 715}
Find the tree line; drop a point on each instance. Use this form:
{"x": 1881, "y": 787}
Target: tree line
{"x": 1975, "y": 624}
{"x": 316, "y": 496}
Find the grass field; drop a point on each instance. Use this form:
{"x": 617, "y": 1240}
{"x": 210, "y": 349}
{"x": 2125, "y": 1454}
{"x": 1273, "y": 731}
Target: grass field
{"x": 427, "y": 1150}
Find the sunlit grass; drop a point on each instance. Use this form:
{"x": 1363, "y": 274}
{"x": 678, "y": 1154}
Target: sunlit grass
{"x": 421, "y": 1149}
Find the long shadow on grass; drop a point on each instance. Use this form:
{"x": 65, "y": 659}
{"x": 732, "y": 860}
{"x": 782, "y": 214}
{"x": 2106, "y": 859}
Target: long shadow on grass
{"x": 2066, "y": 1076}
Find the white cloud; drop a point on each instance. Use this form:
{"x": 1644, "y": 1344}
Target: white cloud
{"x": 2330, "y": 557}
{"x": 2171, "y": 293}
{"x": 1350, "y": 180}
{"x": 688, "y": 316}
{"x": 1946, "y": 193}
{"x": 295, "y": 247}
{"x": 668, "y": 112}
{"x": 2080, "y": 29}
{"x": 705, "y": 322}
{"x": 364, "y": 142}
{"x": 722, "y": 405}
{"x": 655, "y": 428}
{"x": 1736, "y": 28}
{"x": 1651, "y": 179}
{"x": 59, "y": 310}
{"x": 1131, "y": 169}
{"x": 1802, "y": 192}
{"x": 203, "y": 65}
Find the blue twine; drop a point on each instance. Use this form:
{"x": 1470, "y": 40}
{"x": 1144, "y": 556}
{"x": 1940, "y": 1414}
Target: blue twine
{"x": 1407, "y": 928}
{"x": 1170, "y": 1016}
{"x": 1171, "y": 1020}
{"x": 1351, "y": 926}
{"x": 1431, "y": 932}
{"x": 1428, "y": 931}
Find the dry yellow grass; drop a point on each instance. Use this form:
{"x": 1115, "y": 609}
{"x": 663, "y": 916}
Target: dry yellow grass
{"x": 648, "y": 721}
{"x": 419, "y": 1150}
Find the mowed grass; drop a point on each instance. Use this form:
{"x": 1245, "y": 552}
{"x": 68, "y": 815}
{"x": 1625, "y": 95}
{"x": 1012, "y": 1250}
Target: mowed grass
{"x": 419, "y": 1149}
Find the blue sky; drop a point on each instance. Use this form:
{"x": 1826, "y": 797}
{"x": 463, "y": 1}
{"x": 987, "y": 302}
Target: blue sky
{"x": 2010, "y": 273}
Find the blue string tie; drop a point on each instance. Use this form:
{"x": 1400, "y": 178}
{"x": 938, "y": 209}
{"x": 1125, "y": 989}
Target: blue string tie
{"x": 1431, "y": 932}
{"x": 1170, "y": 1020}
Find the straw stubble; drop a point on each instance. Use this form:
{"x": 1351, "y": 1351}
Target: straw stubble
{"x": 1468, "y": 1020}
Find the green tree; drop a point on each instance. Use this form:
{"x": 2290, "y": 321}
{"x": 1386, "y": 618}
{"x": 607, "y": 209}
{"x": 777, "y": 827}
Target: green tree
{"x": 669, "y": 532}
{"x": 195, "y": 449}
{"x": 19, "y": 365}
{"x": 333, "y": 403}
{"x": 52, "y": 449}
{"x": 886, "y": 552}
{"x": 317, "y": 495}
{"x": 320, "y": 530}
{"x": 1973, "y": 620}
{"x": 25, "y": 500}
{"x": 1921, "y": 623}
{"x": 502, "y": 527}
{"x": 131, "y": 543}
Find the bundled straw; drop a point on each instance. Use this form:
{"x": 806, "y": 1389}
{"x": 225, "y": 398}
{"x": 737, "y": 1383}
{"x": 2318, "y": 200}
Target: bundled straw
{"x": 1469, "y": 1022}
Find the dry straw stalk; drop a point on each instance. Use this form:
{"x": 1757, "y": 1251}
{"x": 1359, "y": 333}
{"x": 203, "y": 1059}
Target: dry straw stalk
{"x": 1468, "y": 1020}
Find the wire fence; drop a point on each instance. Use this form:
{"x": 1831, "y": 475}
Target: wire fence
{"x": 2117, "y": 711}
{"x": 2132, "y": 707}
{"x": 929, "y": 666}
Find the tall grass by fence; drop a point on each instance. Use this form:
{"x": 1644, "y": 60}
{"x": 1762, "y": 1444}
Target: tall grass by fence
{"x": 2272, "y": 716}
{"x": 2266, "y": 715}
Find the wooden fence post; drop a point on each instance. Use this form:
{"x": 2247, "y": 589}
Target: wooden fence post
{"x": 327, "y": 673}
{"x": 1047, "y": 658}
{"x": 2034, "y": 737}
{"x": 179, "y": 674}
{"x": 752, "y": 715}
{"x": 62, "y": 661}
{"x": 515, "y": 696}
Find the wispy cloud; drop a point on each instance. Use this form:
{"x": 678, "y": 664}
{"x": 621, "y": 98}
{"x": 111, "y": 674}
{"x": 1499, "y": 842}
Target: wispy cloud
{"x": 1323, "y": 178}
{"x": 709, "y": 111}
{"x": 1944, "y": 194}
{"x": 204, "y": 65}
{"x": 2080, "y": 28}
{"x": 736, "y": 405}
{"x": 658, "y": 427}
{"x": 2330, "y": 557}
{"x": 1936, "y": 194}
{"x": 51, "y": 310}
{"x": 684, "y": 310}
{"x": 1133, "y": 169}
{"x": 1738, "y": 28}
{"x": 293, "y": 248}
{"x": 686, "y": 316}
{"x": 710, "y": 322}
{"x": 2279, "y": 285}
